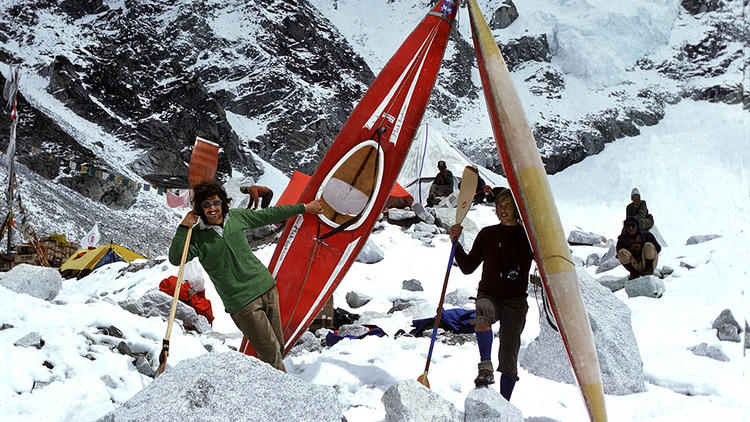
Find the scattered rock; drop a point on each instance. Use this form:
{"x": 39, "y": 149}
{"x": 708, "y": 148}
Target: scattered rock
{"x": 124, "y": 349}
{"x": 726, "y": 317}
{"x": 370, "y": 253}
{"x": 400, "y": 305}
{"x": 487, "y": 405}
{"x": 607, "y": 265}
{"x": 32, "y": 339}
{"x": 578, "y": 237}
{"x": 611, "y": 250}
{"x": 308, "y": 342}
{"x": 108, "y": 381}
{"x": 616, "y": 346}
{"x": 459, "y": 297}
{"x": 356, "y": 300}
{"x": 6, "y": 327}
{"x": 215, "y": 386}
{"x": 157, "y": 303}
{"x": 412, "y": 285}
{"x": 40, "y": 282}
{"x": 353, "y": 330}
{"x": 728, "y": 332}
{"x": 665, "y": 270}
{"x": 694, "y": 240}
{"x": 647, "y": 285}
{"x": 110, "y": 331}
{"x": 613, "y": 283}
{"x": 401, "y": 216}
{"x": 592, "y": 260}
{"x": 410, "y": 401}
{"x": 505, "y": 15}
{"x": 747, "y": 336}
{"x": 422, "y": 213}
{"x": 712, "y": 352}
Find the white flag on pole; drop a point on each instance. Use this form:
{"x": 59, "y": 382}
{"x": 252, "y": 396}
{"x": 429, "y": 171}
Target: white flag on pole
{"x": 91, "y": 239}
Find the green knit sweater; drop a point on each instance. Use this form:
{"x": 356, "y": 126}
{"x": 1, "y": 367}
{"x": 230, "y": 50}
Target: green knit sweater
{"x": 239, "y": 277}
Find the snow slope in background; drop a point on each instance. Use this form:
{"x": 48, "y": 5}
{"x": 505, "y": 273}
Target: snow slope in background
{"x": 680, "y": 385}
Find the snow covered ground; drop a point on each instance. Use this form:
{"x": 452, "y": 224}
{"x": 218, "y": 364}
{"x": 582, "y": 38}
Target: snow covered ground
{"x": 692, "y": 171}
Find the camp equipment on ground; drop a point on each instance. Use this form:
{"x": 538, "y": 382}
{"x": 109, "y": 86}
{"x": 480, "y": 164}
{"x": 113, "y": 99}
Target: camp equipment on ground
{"x": 355, "y": 177}
{"x": 465, "y": 199}
{"x": 528, "y": 182}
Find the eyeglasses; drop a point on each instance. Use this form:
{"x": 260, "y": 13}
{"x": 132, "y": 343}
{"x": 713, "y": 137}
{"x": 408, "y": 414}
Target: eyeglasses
{"x": 207, "y": 204}
{"x": 630, "y": 225}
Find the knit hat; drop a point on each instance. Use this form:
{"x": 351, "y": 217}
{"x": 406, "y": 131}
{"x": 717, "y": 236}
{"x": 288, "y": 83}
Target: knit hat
{"x": 635, "y": 192}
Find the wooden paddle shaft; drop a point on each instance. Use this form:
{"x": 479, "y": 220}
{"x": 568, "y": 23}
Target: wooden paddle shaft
{"x": 177, "y": 286}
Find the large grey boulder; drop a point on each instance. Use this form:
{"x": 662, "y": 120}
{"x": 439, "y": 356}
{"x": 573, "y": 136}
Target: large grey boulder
{"x": 487, "y": 405}
{"x": 619, "y": 358}
{"x": 593, "y": 260}
{"x": 157, "y": 303}
{"x": 712, "y": 352}
{"x": 647, "y": 285}
{"x": 726, "y": 317}
{"x": 410, "y": 401}
{"x": 578, "y": 237}
{"x": 694, "y": 240}
{"x": 370, "y": 253}
{"x": 41, "y": 282}
{"x": 228, "y": 387}
{"x": 504, "y": 15}
{"x": 446, "y": 217}
{"x": 747, "y": 336}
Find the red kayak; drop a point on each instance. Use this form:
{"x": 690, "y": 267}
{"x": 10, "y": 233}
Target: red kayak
{"x": 355, "y": 177}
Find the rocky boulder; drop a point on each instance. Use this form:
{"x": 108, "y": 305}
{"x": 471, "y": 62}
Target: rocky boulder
{"x": 487, "y": 405}
{"x": 410, "y": 401}
{"x": 215, "y": 386}
{"x": 41, "y": 282}
{"x": 619, "y": 358}
{"x": 647, "y": 285}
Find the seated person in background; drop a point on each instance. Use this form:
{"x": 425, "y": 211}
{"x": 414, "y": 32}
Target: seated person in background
{"x": 639, "y": 210}
{"x": 442, "y": 186}
{"x": 637, "y": 250}
{"x": 257, "y": 194}
{"x": 483, "y": 192}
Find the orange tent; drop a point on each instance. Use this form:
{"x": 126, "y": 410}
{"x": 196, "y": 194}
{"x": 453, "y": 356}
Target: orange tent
{"x": 399, "y": 197}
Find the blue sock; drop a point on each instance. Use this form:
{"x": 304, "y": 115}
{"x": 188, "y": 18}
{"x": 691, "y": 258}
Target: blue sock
{"x": 484, "y": 341}
{"x": 506, "y": 386}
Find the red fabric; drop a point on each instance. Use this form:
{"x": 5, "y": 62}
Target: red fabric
{"x": 181, "y": 201}
{"x": 198, "y": 301}
{"x": 294, "y": 189}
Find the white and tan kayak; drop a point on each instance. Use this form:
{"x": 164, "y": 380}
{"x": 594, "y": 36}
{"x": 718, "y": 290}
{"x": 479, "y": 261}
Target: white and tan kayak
{"x": 528, "y": 181}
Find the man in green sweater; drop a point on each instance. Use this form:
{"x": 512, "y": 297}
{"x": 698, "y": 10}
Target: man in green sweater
{"x": 244, "y": 284}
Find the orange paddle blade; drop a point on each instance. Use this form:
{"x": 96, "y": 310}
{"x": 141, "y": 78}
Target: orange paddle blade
{"x": 203, "y": 162}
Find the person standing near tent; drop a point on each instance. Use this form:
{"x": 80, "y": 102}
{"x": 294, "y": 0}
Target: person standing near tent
{"x": 506, "y": 255}
{"x": 258, "y": 195}
{"x": 638, "y": 209}
{"x": 442, "y": 186}
{"x": 243, "y": 283}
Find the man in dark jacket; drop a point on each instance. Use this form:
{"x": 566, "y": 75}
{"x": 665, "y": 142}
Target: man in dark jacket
{"x": 638, "y": 209}
{"x": 506, "y": 256}
{"x": 243, "y": 283}
{"x": 442, "y": 186}
{"x": 637, "y": 250}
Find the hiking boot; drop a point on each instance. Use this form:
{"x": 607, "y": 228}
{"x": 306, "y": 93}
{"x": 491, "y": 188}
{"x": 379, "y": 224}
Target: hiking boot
{"x": 649, "y": 267}
{"x": 633, "y": 273}
{"x": 485, "y": 376}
